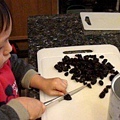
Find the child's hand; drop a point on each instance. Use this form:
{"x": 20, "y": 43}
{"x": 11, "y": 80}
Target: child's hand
{"x": 52, "y": 86}
{"x": 34, "y": 107}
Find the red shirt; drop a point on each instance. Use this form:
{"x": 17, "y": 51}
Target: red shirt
{"x": 8, "y": 86}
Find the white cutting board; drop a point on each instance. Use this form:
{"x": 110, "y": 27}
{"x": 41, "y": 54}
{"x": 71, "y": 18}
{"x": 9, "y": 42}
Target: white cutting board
{"x": 101, "y": 20}
{"x": 85, "y": 105}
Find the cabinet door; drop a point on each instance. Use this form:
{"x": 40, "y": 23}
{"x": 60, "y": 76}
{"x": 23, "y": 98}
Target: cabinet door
{"x": 21, "y": 9}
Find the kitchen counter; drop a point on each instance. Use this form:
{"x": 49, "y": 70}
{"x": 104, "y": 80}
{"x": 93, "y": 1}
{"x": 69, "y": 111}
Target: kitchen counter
{"x": 63, "y": 30}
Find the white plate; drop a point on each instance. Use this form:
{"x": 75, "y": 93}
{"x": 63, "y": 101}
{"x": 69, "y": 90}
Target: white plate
{"x": 86, "y": 104}
{"x": 101, "y": 20}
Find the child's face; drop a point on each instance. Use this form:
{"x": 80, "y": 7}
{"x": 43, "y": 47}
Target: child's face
{"x": 5, "y": 47}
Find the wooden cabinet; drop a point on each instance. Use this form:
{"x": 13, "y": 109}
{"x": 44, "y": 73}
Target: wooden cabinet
{"x": 21, "y": 9}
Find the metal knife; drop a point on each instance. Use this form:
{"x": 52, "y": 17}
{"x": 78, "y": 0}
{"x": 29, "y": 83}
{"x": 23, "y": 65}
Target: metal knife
{"x": 58, "y": 99}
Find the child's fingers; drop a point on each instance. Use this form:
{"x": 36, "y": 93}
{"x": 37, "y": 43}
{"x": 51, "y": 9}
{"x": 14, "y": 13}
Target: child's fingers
{"x": 65, "y": 83}
{"x": 57, "y": 93}
{"x": 60, "y": 89}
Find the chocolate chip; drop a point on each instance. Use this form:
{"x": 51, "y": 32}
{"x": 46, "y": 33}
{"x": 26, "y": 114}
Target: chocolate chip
{"x": 108, "y": 86}
{"x": 89, "y": 85}
{"x": 111, "y": 77}
{"x": 101, "y": 57}
{"x": 102, "y": 95}
{"x": 101, "y": 82}
{"x": 66, "y": 73}
{"x": 105, "y": 90}
{"x": 67, "y": 97}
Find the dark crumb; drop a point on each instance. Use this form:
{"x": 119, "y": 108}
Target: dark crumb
{"x": 67, "y": 97}
{"x": 89, "y": 85}
{"x": 102, "y": 94}
{"x": 101, "y": 82}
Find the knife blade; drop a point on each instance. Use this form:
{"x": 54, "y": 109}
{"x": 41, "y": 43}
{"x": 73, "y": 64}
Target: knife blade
{"x": 59, "y": 99}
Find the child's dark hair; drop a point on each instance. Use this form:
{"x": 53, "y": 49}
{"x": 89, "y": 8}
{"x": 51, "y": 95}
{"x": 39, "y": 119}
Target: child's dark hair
{"x": 5, "y": 16}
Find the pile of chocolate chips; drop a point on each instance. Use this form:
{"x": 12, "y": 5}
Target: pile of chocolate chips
{"x": 87, "y": 70}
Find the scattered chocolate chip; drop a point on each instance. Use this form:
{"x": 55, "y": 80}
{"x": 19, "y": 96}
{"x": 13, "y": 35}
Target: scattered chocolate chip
{"x": 105, "y": 90}
{"x": 67, "y": 97}
{"x": 84, "y": 83}
{"x": 66, "y": 73}
{"x": 116, "y": 72}
{"x": 108, "y": 86}
{"x": 101, "y": 82}
{"x": 89, "y": 85}
{"x": 111, "y": 77}
{"x": 104, "y": 61}
{"x": 93, "y": 81}
{"x": 102, "y": 95}
{"x": 101, "y": 57}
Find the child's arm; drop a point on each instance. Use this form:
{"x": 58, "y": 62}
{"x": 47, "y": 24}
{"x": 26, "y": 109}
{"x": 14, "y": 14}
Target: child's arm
{"x": 22, "y": 108}
{"x": 8, "y": 113}
{"x": 21, "y": 70}
{"x": 51, "y": 86}
{"x": 26, "y": 75}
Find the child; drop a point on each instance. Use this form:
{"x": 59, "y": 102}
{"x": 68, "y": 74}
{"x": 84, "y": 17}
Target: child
{"x": 16, "y": 75}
